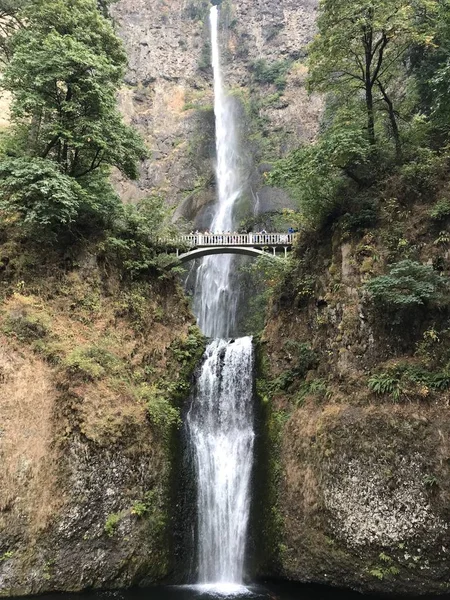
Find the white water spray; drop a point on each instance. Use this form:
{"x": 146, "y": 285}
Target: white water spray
{"x": 220, "y": 420}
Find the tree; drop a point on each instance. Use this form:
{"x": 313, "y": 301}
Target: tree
{"x": 409, "y": 284}
{"x": 360, "y": 48}
{"x": 66, "y": 67}
{"x": 318, "y": 175}
{"x": 432, "y": 71}
{"x": 64, "y": 74}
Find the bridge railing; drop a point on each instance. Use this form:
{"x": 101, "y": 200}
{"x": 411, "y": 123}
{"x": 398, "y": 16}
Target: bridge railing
{"x": 237, "y": 239}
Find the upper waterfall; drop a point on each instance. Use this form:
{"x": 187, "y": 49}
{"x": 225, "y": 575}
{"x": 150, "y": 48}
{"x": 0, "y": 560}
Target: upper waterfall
{"x": 215, "y": 303}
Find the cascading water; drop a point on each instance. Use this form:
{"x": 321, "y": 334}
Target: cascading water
{"x": 220, "y": 422}
{"x": 220, "y": 419}
{"x": 215, "y": 303}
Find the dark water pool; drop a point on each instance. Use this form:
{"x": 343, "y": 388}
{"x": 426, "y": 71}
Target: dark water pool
{"x": 270, "y": 591}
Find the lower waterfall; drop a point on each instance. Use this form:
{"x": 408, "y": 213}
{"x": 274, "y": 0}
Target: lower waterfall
{"x": 220, "y": 426}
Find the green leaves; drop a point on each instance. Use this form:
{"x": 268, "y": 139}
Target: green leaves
{"x": 48, "y": 202}
{"x": 36, "y": 191}
{"x": 315, "y": 174}
{"x": 361, "y": 51}
{"x": 66, "y": 68}
{"x": 409, "y": 284}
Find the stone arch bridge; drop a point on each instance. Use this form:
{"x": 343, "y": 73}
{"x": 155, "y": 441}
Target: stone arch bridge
{"x": 248, "y": 244}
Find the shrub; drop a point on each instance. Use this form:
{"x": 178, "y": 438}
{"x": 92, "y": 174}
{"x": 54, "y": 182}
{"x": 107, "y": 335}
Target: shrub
{"x": 25, "y": 321}
{"x": 385, "y": 383}
{"x": 409, "y": 284}
{"x": 409, "y": 380}
{"x": 92, "y": 362}
{"x": 139, "y": 509}
{"x": 160, "y": 411}
{"x": 37, "y": 191}
{"x": 441, "y": 210}
{"x": 316, "y": 387}
{"x": 148, "y": 506}
{"x": 111, "y": 524}
{"x": 304, "y": 356}
{"x": 81, "y": 362}
{"x": 274, "y": 73}
{"x": 135, "y": 241}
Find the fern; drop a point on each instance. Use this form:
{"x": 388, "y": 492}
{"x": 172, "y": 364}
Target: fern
{"x": 385, "y": 383}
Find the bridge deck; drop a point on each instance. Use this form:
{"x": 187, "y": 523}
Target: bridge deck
{"x": 251, "y": 240}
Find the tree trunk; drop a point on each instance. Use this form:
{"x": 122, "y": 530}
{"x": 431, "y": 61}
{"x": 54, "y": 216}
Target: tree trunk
{"x": 370, "y": 114}
{"x": 393, "y": 121}
{"x": 368, "y": 84}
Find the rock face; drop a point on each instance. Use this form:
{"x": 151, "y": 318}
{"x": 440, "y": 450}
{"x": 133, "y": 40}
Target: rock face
{"x": 362, "y": 477}
{"x": 168, "y": 92}
{"x": 92, "y": 377}
{"x": 360, "y": 499}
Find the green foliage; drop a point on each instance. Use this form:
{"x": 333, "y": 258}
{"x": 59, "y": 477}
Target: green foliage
{"x": 360, "y": 52}
{"x": 44, "y": 199}
{"x": 409, "y": 284}
{"x": 6, "y": 555}
{"x": 140, "y": 509}
{"x": 423, "y": 174}
{"x": 430, "y": 481}
{"x": 271, "y": 73}
{"x": 409, "y": 380}
{"x": 443, "y": 239}
{"x": 316, "y": 387}
{"x": 147, "y": 507}
{"x": 383, "y": 572}
{"x": 263, "y": 278}
{"x": 184, "y": 351}
{"x": 28, "y": 327}
{"x": 318, "y": 175}
{"x": 91, "y": 362}
{"x": 9, "y": 23}
{"x": 111, "y": 524}
{"x": 65, "y": 70}
{"x": 303, "y": 359}
{"x": 137, "y": 240}
{"x": 159, "y": 408}
{"x": 385, "y": 383}
{"x": 432, "y": 70}
{"x": 197, "y": 10}
{"x": 302, "y": 353}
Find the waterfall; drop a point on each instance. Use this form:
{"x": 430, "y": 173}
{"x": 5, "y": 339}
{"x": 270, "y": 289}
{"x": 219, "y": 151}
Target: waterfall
{"x": 220, "y": 420}
{"x": 215, "y": 303}
{"x": 220, "y": 424}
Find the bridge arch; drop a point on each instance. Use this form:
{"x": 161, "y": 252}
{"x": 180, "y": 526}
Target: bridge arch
{"x": 211, "y": 250}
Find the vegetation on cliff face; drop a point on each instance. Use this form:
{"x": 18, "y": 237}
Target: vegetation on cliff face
{"x": 383, "y": 66}
{"x": 64, "y": 66}
{"x": 94, "y": 369}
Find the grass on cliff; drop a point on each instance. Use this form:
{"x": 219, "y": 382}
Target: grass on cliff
{"x": 124, "y": 347}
